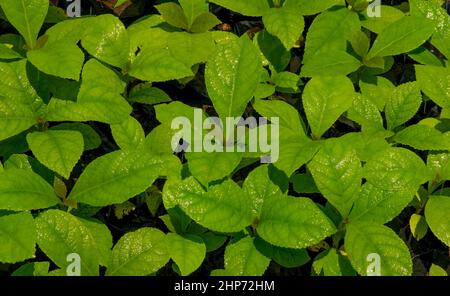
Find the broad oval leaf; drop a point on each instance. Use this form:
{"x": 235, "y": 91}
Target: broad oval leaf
{"x": 364, "y": 239}
{"x": 423, "y": 137}
{"x": 379, "y": 206}
{"x": 337, "y": 173}
{"x": 60, "y": 234}
{"x": 24, "y": 190}
{"x": 404, "y": 35}
{"x": 291, "y": 222}
{"x": 404, "y": 102}
{"x": 396, "y": 169}
{"x": 324, "y": 35}
{"x": 436, "y": 213}
{"x": 284, "y": 23}
{"x": 325, "y": 98}
{"x": 232, "y": 76}
{"x": 58, "y": 150}
{"x": 120, "y": 175}
{"x": 242, "y": 258}
{"x": 18, "y": 237}
{"x": 106, "y": 38}
{"x": 139, "y": 253}
{"x": 188, "y": 252}
{"x": 223, "y": 208}
{"x": 128, "y": 134}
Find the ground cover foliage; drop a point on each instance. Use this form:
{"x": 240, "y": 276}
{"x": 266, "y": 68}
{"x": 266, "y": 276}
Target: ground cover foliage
{"x": 87, "y": 169}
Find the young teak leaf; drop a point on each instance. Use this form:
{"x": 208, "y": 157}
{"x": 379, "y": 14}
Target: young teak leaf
{"x": 27, "y": 16}
{"x": 58, "y": 150}
{"x": 232, "y": 75}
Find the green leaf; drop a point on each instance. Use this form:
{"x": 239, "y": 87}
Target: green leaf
{"x": 58, "y": 150}
{"x": 291, "y": 222}
{"x": 403, "y": 104}
{"x": 32, "y": 269}
{"x": 324, "y": 36}
{"x": 191, "y": 49}
{"x": 418, "y": 226}
{"x": 360, "y": 43}
{"x": 439, "y": 164}
{"x": 290, "y": 122}
{"x": 434, "y": 11}
{"x": 239, "y": 62}
{"x": 14, "y": 118}
{"x": 106, "y": 39}
{"x": 332, "y": 263}
{"x": 120, "y": 2}
{"x": 60, "y": 234}
{"x": 402, "y": 36}
{"x": 243, "y": 259}
{"x": 335, "y": 62}
{"x": 18, "y": 237}
{"x": 156, "y": 65}
{"x": 258, "y": 186}
{"x": 200, "y": 165}
{"x": 188, "y": 252}
{"x": 222, "y": 208}
{"x": 284, "y": 23}
{"x": 307, "y": 7}
{"x": 128, "y": 134}
{"x": 337, "y": 173}
{"x": 425, "y": 57}
{"x": 145, "y": 93}
{"x": 8, "y": 53}
{"x": 173, "y": 14}
{"x": 436, "y": 213}
{"x": 273, "y": 51}
{"x": 377, "y": 89}
{"x": 99, "y": 93}
{"x": 204, "y": 22}
{"x": 285, "y": 257}
{"x": 434, "y": 82}
{"x": 379, "y": 206}
{"x": 192, "y": 9}
{"x": 27, "y": 16}
{"x": 118, "y": 176}
{"x": 90, "y": 137}
{"x": 396, "y": 169}
{"x": 286, "y": 80}
{"x": 23, "y": 190}
{"x": 388, "y": 15}
{"x": 139, "y": 253}
{"x": 18, "y": 161}
{"x": 55, "y": 15}
{"x": 248, "y": 7}
{"x": 102, "y": 238}
{"x": 436, "y": 270}
{"x": 422, "y": 137}
{"x": 296, "y": 148}
{"x": 366, "y": 113}
{"x": 304, "y": 183}
{"x": 60, "y": 56}
{"x": 363, "y": 239}
{"x": 325, "y": 99}
{"x": 18, "y": 100}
